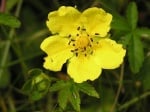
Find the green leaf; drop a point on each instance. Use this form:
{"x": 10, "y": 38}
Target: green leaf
{"x": 132, "y": 15}
{"x": 143, "y": 32}
{"x": 9, "y": 20}
{"x": 63, "y": 97}
{"x": 126, "y": 39}
{"x": 119, "y": 23}
{"x": 135, "y": 53}
{"x": 88, "y": 89}
{"x": 59, "y": 85}
{"x": 145, "y": 73}
{"x": 74, "y": 98}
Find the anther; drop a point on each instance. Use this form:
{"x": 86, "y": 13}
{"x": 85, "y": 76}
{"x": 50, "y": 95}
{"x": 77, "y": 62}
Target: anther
{"x": 78, "y": 28}
{"x": 85, "y": 55}
{"x": 96, "y": 33}
{"x": 73, "y": 44}
{"x": 91, "y": 39}
{"x": 76, "y": 49}
{"x": 69, "y": 42}
{"x": 84, "y": 48}
{"x": 72, "y": 50}
{"x": 90, "y": 45}
{"x": 77, "y": 34}
{"x": 76, "y": 54}
{"x": 72, "y": 40}
{"x": 69, "y": 35}
{"x": 83, "y": 29}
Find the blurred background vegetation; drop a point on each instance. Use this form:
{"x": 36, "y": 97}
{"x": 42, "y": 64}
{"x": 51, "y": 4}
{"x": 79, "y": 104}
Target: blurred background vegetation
{"x": 20, "y": 52}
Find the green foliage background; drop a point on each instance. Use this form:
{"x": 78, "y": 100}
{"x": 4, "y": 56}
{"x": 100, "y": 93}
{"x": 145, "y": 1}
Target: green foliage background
{"x": 25, "y": 86}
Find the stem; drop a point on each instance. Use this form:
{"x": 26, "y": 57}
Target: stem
{"x": 8, "y": 44}
{"x": 11, "y": 104}
{"x": 119, "y": 88}
{"x": 2, "y": 104}
{"x": 133, "y": 101}
{"x": 3, "y": 6}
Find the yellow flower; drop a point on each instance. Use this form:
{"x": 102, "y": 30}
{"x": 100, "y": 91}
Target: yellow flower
{"x": 80, "y": 40}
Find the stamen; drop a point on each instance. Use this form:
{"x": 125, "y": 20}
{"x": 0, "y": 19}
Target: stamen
{"x": 83, "y": 29}
{"x": 85, "y": 55}
{"x": 77, "y": 34}
{"x": 90, "y": 45}
{"x": 69, "y": 42}
{"x": 84, "y": 48}
{"x": 72, "y": 40}
{"x": 91, "y": 39}
{"x": 78, "y": 28}
{"x": 96, "y": 33}
{"x": 76, "y": 49}
{"x": 69, "y": 35}
{"x": 76, "y": 54}
{"x": 72, "y": 50}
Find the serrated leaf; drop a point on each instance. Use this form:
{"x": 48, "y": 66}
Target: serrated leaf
{"x": 59, "y": 85}
{"x": 145, "y": 73}
{"x": 74, "y": 98}
{"x": 132, "y": 14}
{"x": 135, "y": 53}
{"x": 88, "y": 89}
{"x": 63, "y": 97}
{"x": 9, "y": 20}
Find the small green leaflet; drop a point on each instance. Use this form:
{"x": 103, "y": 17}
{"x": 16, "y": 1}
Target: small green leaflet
{"x": 8, "y": 20}
{"x": 135, "y": 53}
{"x": 88, "y": 89}
{"x": 132, "y": 15}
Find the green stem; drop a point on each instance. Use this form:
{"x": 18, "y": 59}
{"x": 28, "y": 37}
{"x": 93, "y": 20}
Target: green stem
{"x": 119, "y": 88}
{"x": 8, "y": 44}
{"x": 133, "y": 101}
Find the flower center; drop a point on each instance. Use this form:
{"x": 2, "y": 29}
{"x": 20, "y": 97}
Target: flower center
{"x": 82, "y": 43}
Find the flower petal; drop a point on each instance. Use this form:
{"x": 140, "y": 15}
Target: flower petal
{"x": 97, "y": 21}
{"x": 110, "y": 54}
{"x": 63, "y": 21}
{"x": 82, "y": 69}
{"x": 58, "y": 52}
